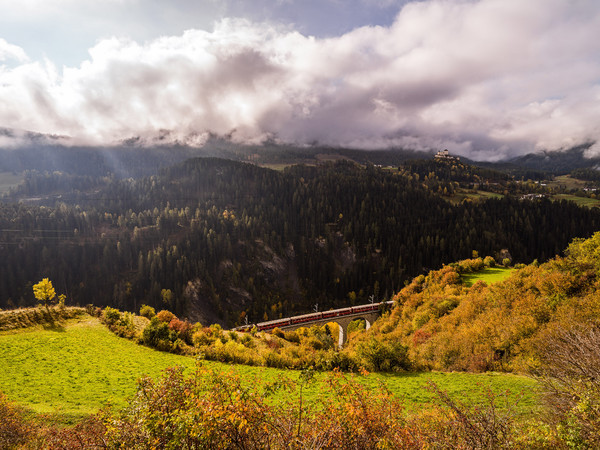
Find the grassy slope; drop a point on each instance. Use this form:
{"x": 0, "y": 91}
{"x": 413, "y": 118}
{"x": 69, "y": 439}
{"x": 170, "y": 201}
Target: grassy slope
{"x": 489, "y": 275}
{"x": 73, "y": 373}
{"x": 581, "y": 201}
{"x": 77, "y": 369}
{"x": 568, "y": 182}
{"x": 462, "y": 194}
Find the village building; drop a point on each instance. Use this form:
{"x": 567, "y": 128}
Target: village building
{"x": 444, "y": 155}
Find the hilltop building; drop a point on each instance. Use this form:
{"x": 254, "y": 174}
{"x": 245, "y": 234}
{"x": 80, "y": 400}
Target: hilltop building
{"x": 445, "y": 156}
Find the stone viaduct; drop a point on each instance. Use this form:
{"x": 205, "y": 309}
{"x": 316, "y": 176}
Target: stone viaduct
{"x": 342, "y": 317}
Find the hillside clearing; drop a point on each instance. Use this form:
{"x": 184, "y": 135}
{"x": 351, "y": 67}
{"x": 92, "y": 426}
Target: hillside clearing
{"x": 488, "y": 275}
{"x": 580, "y": 201}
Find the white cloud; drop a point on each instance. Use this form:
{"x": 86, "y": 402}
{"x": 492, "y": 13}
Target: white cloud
{"x": 10, "y": 51}
{"x": 485, "y": 78}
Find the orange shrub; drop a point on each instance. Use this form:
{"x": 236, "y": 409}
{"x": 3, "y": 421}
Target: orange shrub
{"x": 183, "y": 328}
{"x": 165, "y": 316}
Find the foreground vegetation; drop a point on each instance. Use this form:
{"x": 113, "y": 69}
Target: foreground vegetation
{"x": 212, "y": 409}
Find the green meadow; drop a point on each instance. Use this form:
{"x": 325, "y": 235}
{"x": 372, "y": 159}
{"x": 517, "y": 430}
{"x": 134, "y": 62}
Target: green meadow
{"x": 488, "y": 275}
{"x": 580, "y": 201}
{"x": 77, "y": 369}
{"x": 463, "y": 194}
{"x": 70, "y": 372}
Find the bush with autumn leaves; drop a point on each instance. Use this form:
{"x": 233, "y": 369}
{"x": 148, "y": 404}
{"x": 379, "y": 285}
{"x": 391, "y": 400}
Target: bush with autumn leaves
{"x": 215, "y": 410}
{"x": 446, "y": 325}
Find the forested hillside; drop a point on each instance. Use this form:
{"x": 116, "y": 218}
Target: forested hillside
{"x": 217, "y": 241}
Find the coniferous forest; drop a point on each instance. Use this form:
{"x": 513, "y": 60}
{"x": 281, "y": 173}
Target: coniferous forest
{"x": 216, "y": 240}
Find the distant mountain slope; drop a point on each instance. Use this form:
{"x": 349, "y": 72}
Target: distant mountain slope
{"x": 557, "y": 162}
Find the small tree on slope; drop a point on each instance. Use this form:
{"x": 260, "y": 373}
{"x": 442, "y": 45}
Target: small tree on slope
{"x": 44, "y": 292}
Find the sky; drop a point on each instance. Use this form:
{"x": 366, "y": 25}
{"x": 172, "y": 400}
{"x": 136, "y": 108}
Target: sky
{"x": 487, "y": 79}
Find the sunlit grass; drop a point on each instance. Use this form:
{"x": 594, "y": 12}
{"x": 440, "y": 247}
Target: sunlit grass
{"x": 77, "y": 370}
{"x": 74, "y": 372}
{"x": 488, "y": 275}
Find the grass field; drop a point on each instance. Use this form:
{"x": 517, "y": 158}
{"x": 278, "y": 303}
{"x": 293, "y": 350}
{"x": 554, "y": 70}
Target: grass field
{"x": 567, "y": 181}
{"x": 77, "y": 370}
{"x": 73, "y": 372}
{"x": 581, "y": 201}
{"x": 8, "y": 180}
{"x": 462, "y": 194}
{"x": 489, "y": 275}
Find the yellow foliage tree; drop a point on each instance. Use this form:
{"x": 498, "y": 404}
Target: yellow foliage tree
{"x": 44, "y": 292}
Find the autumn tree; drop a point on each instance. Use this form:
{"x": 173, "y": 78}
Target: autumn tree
{"x": 44, "y": 292}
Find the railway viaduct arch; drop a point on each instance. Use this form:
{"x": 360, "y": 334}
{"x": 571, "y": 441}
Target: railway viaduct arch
{"x": 342, "y": 317}
{"x": 343, "y": 321}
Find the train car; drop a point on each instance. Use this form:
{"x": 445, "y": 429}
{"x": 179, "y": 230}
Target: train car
{"x": 336, "y": 313}
{"x": 306, "y": 318}
{"x": 312, "y": 317}
{"x": 266, "y": 326}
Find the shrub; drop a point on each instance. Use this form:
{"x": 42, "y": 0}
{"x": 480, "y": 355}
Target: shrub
{"x": 209, "y": 410}
{"x": 489, "y": 261}
{"x": 156, "y": 334}
{"x": 13, "y": 429}
{"x": 88, "y": 434}
{"x": 147, "y": 311}
{"x": 124, "y": 327}
{"x": 568, "y": 367}
{"x": 314, "y": 343}
{"x": 93, "y": 311}
{"x": 471, "y": 265}
{"x": 247, "y": 341}
{"x": 233, "y": 336}
{"x": 478, "y": 427}
{"x": 292, "y": 336}
{"x": 111, "y": 316}
{"x": 201, "y": 338}
{"x": 183, "y": 328}
{"x": 383, "y": 356}
{"x": 356, "y": 326}
{"x": 215, "y": 330}
{"x": 165, "y": 316}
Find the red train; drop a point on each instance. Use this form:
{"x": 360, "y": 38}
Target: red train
{"x": 296, "y": 320}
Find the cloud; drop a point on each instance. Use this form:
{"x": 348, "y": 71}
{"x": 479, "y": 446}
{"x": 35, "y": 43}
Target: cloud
{"x": 9, "y": 51}
{"x": 487, "y": 79}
